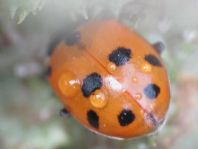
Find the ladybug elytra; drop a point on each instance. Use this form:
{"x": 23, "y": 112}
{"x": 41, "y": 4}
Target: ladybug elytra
{"x": 110, "y": 79}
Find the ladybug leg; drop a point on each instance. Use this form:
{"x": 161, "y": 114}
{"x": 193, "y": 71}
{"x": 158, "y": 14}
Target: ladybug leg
{"x": 46, "y": 73}
{"x": 63, "y": 112}
{"x": 159, "y": 46}
{"x": 151, "y": 118}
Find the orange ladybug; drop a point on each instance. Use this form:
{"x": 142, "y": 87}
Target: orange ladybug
{"x": 110, "y": 79}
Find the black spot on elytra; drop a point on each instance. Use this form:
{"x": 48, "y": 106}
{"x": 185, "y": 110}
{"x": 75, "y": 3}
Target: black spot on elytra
{"x": 152, "y": 91}
{"x": 120, "y": 56}
{"x": 73, "y": 38}
{"x": 126, "y": 117}
{"x": 93, "y": 118}
{"x": 91, "y": 83}
{"x": 48, "y": 71}
{"x": 153, "y": 60}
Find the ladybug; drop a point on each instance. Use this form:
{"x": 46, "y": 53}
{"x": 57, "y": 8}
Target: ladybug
{"x": 110, "y": 79}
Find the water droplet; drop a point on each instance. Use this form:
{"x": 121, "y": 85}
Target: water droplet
{"x": 138, "y": 96}
{"x": 111, "y": 67}
{"x": 68, "y": 84}
{"x": 134, "y": 79}
{"x": 146, "y": 67}
{"x": 98, "y": 99}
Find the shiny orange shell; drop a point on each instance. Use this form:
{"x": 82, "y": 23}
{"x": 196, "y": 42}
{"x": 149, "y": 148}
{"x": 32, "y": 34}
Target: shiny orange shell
{"x": 110, "y": 79}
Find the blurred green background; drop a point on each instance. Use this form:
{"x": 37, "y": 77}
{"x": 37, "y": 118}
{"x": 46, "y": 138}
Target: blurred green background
{"x": 29, "y": 111}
